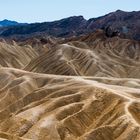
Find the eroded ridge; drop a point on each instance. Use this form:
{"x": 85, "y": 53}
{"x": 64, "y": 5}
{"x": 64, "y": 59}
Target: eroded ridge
{"x": 91, "y": 55}
{"x": 49, "y": 107}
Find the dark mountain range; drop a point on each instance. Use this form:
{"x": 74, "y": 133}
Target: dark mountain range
{"x": 7, "y": 23}
{"x": 65, "y": 27}
{"x": 118, "y": 23}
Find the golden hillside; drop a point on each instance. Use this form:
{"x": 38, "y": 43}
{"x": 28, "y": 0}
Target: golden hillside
{"x": 85, "y": 88}
{"x": 51, "y": 107}
{"x": 92, "y": 55}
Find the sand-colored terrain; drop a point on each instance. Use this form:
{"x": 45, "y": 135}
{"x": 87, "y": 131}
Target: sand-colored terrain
{"x": 87, "y": 88}
{"x": 49, "y": 107}
{"x": 92, "y": 55}
{"x": 16, "y": 56}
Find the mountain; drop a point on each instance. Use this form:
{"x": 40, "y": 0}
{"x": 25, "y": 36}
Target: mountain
{"x": 64, "y": 27}
{"x": 91, "y": 55}
{"x": 118, "y": 23}
{"x": 6, "y": 23}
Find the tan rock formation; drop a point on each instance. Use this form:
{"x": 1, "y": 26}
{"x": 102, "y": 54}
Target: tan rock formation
{"x": 90, "y": 90}
{"x": 51, "y": 107}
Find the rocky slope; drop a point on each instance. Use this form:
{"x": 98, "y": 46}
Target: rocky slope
{"x": 118, "y": 23}
{"x": 91, "y": 55}
{"x": 16, "y": 56}
{"x": 51, "y": 107}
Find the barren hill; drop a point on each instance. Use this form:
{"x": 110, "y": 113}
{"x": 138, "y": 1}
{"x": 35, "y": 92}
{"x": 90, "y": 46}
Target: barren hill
{"x": 91, "y": 55}
{"x": 77, "y": 88}
{"x": 16, "y": 56}
{"x": 51, "y": 107}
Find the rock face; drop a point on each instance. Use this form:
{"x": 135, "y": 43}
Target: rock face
{"x": 79, "y": 88}
{"x": 62, "y": 28}
{"x": 118, "y": 23}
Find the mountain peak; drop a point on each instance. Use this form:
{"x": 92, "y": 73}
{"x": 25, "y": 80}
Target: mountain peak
{"x": 73, "y": 18}
{"x": 7, "y": 22}
{"x": 119, "y": 11}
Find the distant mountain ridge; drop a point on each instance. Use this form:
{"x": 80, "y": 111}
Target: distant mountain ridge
{"x": 118, "y": 23}
{"x": 7, "y": 23}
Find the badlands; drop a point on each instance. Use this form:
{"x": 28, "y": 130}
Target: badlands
{"x": 82, "y": 88}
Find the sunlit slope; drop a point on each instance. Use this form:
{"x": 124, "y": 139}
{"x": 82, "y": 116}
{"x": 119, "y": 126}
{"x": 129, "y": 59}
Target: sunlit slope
{"x": 15, "y": 56}
{"x": 93, "y": 55}
{"x": 51, "y": 107}
{"x": 90, "y": 89}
